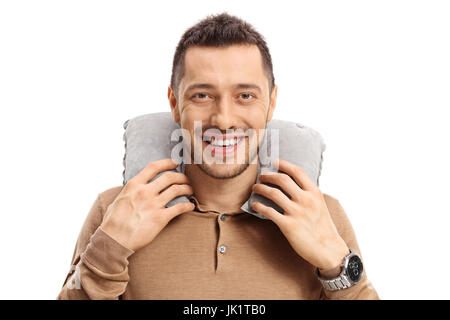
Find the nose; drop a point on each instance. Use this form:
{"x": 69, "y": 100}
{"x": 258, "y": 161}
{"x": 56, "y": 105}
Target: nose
{"x": 223, "y": 116}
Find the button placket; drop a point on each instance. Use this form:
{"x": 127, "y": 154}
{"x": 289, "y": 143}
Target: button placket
{"x": 223, "y": 249}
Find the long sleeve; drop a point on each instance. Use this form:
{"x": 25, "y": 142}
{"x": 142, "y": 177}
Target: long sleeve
{"x": 99, "y": 267}
{"x": 364, "y": 289}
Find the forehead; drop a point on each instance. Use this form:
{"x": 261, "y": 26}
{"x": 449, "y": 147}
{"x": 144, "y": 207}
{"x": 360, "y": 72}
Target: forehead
{"x": 236, "y": 63}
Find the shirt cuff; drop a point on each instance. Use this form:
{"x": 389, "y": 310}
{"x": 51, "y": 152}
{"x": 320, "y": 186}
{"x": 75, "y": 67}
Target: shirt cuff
{"x": 106, "y": 254}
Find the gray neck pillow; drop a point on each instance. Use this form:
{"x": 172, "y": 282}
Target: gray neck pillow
{"x": 148, "y": 138}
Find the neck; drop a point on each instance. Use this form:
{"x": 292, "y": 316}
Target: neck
{"x": 222, "y": 195}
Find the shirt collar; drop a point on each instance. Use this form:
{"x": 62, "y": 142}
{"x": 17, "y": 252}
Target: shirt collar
{"x": 203, "y": 208}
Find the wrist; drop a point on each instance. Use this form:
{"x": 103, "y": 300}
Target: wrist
{"x": 117, "y": 233}
{"x": 335, "y": 258}
{"x": 330, "y": 273}
{"x": 350, "y": 273}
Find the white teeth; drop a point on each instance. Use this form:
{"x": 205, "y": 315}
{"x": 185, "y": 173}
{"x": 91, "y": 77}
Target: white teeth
{"x": 219, "y": 143}
{"x": 222, "y": 143}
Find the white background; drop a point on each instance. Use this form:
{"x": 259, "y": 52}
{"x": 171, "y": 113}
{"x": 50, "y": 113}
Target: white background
{"x": 373, "y": 77}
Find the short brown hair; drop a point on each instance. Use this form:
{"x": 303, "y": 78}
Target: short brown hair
{"x": 220, "y": 30}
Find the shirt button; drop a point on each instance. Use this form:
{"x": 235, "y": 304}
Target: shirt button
{"x": 222, "y": 249}
{"x": 223, "y": 217}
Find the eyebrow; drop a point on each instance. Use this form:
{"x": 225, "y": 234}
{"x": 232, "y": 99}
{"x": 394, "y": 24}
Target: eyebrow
{"x": 236, "y": 86}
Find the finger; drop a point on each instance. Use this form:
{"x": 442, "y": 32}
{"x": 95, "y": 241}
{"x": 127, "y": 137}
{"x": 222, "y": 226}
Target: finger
{"x": 273, "y": 194}
{"x": 174, "y": 191}
{"x": 166, "y": 180}
{"x": 178, "y": 209}
{"x": 297, "y": 173}
{"x": 269, "y": 212}
{"x": 153, "y": 168}
{"x": 285, "y": 182}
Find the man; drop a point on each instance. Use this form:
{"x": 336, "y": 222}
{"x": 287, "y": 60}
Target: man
{"x": 132, "y": 247}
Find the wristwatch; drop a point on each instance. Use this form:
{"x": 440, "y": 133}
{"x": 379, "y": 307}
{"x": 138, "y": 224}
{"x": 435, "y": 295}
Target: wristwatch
{"x": 351, "y": 273}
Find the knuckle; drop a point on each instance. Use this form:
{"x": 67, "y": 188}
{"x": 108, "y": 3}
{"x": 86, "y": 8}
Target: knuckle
{"x": 181, "y": 207}
{"x": 269, "y": 210}
{"x": 129, "y": 182}
{"x": 130, "y": 185}
{"x": 185, "y": 189}
{"x": 140, "y": 193}
{"x": 293, "y": 207}
{"x": 169, "y": 161}
{"x": 166, "y": 163}
{"x": 176, "y": 188}
{"x": 160, "y": 217}
{"x": 169, "y": 176}
{"x": 152, "y": 166}
{"x": 184, "y": 207}
{"x": 285, "y": 178}
{"x": 190, "y": 206}
{"x": 178, "y": 177}
{"x": 299, "y": 170}
{"x": 151, "y": 205}
{"x": 273, "y": 192}
{"x": 279, "y": 194}
{"x": 307, "y": 199}
{"x": 148, "y": 170}
{"x": 181, "y": 178}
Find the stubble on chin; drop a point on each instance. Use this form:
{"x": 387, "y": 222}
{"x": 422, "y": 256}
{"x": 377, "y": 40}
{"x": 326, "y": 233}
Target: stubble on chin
{"x": 235, "y": 170}
{"x": 217, "y": 174}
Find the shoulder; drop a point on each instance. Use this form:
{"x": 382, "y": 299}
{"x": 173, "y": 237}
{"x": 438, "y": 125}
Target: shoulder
{"x": 95, "y": 216}
{"x": 107, "y": 196}
{"x": 337, "y": 212}
{"x": 332, "y": 202}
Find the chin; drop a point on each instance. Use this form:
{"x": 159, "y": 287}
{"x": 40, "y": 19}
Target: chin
{"x": 223, "y": 171}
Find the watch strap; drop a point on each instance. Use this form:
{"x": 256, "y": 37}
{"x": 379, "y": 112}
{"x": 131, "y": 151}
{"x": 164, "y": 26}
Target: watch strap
{"x": 341, "y": 281}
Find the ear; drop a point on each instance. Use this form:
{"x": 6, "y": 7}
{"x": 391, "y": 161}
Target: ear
{"x": 173, "y": 104}
{"x": 273, "y": 102}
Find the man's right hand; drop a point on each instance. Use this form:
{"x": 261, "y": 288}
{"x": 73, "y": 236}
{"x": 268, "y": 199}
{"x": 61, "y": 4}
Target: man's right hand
{"x": 138, "y": 213}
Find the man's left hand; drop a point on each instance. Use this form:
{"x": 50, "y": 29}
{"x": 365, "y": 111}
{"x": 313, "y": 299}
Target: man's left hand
{"x": 306, "y": 222}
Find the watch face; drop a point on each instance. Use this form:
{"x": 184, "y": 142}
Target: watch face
{"x": 355, "y": 268}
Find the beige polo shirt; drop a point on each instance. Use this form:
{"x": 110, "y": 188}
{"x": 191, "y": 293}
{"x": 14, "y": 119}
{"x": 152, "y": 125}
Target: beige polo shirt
{"x": 203, "y": 254}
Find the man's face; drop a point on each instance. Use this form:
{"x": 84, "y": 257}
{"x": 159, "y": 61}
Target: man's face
{"x": 227, "y": 91}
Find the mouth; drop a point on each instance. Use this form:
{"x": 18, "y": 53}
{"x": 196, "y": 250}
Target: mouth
{"x": 223, "y": 146}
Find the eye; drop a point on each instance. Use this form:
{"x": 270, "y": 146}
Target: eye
{"x": 247, "y": 96}
{"x": 200, "y": 95}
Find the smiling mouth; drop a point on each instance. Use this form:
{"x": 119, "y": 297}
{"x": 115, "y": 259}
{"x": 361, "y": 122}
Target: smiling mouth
{"x": 222, "y": 143}
{"x": 223, "y": 146}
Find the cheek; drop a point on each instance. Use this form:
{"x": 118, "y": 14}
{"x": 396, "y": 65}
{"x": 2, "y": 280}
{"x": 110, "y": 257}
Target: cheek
{"x": 256, "y": 115}
{"x": 189, "y": 114}
{"x": 193, "y": 120}
{"x": 258, "y": 123}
